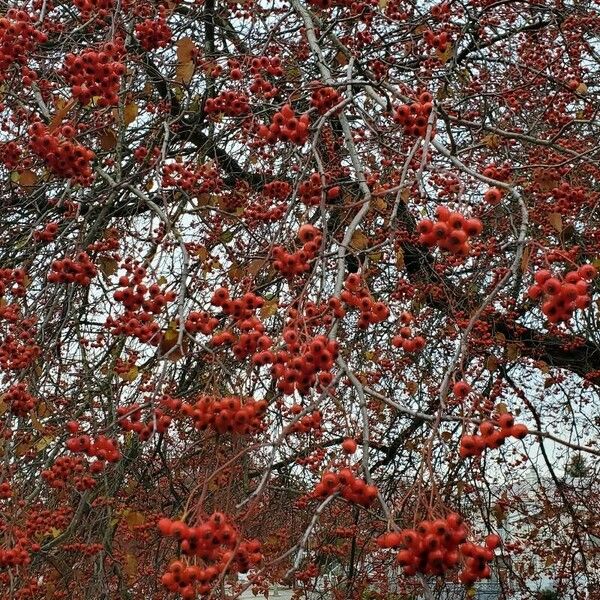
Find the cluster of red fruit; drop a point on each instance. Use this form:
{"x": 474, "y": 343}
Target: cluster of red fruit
{"x": 217, "y": 543}
{"x": 269, "y": 206}
{"x": 286, "y": 126}
{"x": 5, "y": 490}
{"x": 103, "y": 448}
{"x": 230, "y": 103}
{"x": 348, "y": 485}
{"x": 493, "y": 196}
{"x": 66, "y": 467}
{"x": 134, "y": 295}
{"x": 47, "y": 234}
{"x": 563, "y": 295}
{"x": 451, "y": 231}
{"x": 20, "y": 401}
{"x": 153, "y": 33}
{"x": 357, "y": 296}
{"x": 435, "y": 547}
{"x": 64, "y": 157}
{"x": 566, "y": 196}
{"x": 439, "y": 41}
{"x": 270, "y": 64}
{"x": 129, "y": 419}
{"x": 324, "y": 98}
{"x": 303, "y": 364}
{"x": 18, "y": 40}
{"x": 18, "y": 349}
{"x": 97, "y": 7}
{"x": 93, "y": 74}
{"x": 408, "y": 343}
{"x": 492, "y": 435}
{"x": 292, "y": 264}
{"x": 310, "y": 191}
{"x": 310, "y": 422}
{"x": 241, "y": 310}
{"x": 14, "y": 277}
{"x": 230, "y": 414}
{"x": 10, "y": 155}
{"x": 414, "y": 117}
{"x": 202, "y": 322}
{"x": 66, "y": 270}
{"x": 201, "y": 179}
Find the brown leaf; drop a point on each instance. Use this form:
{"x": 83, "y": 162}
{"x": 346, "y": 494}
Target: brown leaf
{"x": 555, "y": 219}
{"x": 108, "y": 140}
{"x": 185, "y": 49}
{"x": 108, "y": 266}
{"x": 359, "y": 240}
{"x": 27, "y": 178}
{"x": 130, "y": 113}
{"x": 184, "y": 72}
{"x": 269, "y": 308}
{"x": 525, "y": 259}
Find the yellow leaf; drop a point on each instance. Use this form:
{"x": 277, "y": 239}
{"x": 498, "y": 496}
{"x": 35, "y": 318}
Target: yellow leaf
{"x": 501, "y": 408}
{"x": 133, "y": 518}
{"x": 14, "y": 176}
{"x": 555, "y": 219}
{"x": 359, "y": 240}
{"x": 186, "y": 49}
{"x": 400, "y": 258}
{"x": 44, "y": 442}
{"x": 130, "y": 113}
{"x": 269, "y": 308}
{"x": 55, "y": 532}
{"x": 130, "y": 375}
{"x": 184, "y": 72}
{"x": 131, "y": 565}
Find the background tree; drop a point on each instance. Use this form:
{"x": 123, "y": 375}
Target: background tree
{"x": 298, "y": 289}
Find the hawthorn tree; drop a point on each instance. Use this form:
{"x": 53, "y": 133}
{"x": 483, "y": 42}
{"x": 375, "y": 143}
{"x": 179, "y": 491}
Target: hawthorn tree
{"x": 303, "y": 290}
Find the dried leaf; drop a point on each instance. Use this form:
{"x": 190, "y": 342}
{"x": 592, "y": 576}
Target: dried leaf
{"x": 512, "y": 351}
{"x": 400, "y": 258}
{"x": 359, "y": 240}
{"x": 491, "y": 364}
{"x": 130, "y": 113}
{"x": 269, "y": 308}
{"x": 108, "y": 140}
{"x": 501, "y": 408}
{"x": 130, "y": 375}
{"x": 133, "y": 518}
{"x": 446, "y": 55}
{"x": 555, "y": 219}
{"x": 130, "y": 567}
{"x": 27, "y": 178}
{"x": 525, "y": 259}
{"x": 63, "y": 109}
{"x": 184, "y": 72}
{"x": 186, "y": 49}
{"x": 108, "y": 266}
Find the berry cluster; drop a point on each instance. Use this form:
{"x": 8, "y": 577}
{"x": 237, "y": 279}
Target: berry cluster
{"x": 439, "y": 41}
{"x": 130, "y": 419}
{"x": 348, "y": 485}
{"x": 324, "y": 98}
{"x": 451, "y": 231}
{"x": 5, "y": 491}
{"x": 64, "y": 157}
{"x": 226, "y": 415}
{"x": 563, "y": 295}
{"x": 302, "y": 364}
{"x": 96, "y": 7}
{"x": 66, "y": 270}
{"x": 493, "y": 196}
{"x": 414, "y": 117}
{"x": 47, "y": 234}
{"x": 435, "y": 547}
{"x": 153, "y": 33}
{"x": 10, "y": 154}
{"x": 103, "y": 448}
{"x": 16, "y": 277}
{"x": 492, "y": 435}
{"x": 241, "y": 310}
{"x": 18, "y": 349}
{"x": 357, "y": 296}
{"x": 286, "y": 126}
{"x": 66, "y": 467}
{"x": 270, "y": 64}
{"x": 307, "y": 423}
{"x": 201, "y": 179}
{"x": 20, "y": 401}
{"x": 93, "y": 74}
{"x": 407, "y": 342}
{"x": 217, "y": 543}
{"x": 229, "y": 103}
{"x": 18, "y": 39}
{"x": 310, "y": 191}
{"x": 200, "y": 322}
{"x": 297, "y": 263}
{"x": 270, "y": 206}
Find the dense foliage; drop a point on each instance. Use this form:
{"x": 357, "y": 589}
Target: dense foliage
{"x": 304, "y": 290}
